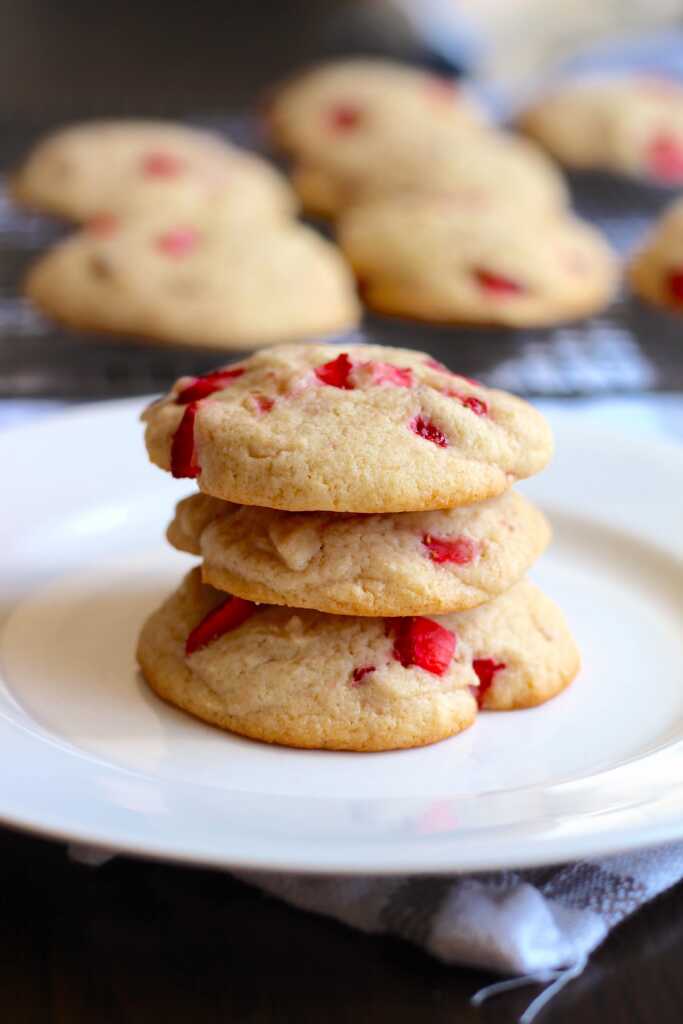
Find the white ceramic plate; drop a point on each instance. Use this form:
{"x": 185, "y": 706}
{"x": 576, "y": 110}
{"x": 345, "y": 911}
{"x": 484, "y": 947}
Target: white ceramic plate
{"x": 87, "y": 753}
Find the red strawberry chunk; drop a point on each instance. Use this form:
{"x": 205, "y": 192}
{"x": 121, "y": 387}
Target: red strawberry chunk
{"x": 426, "y": 429}
{"x": 486, "y": 669}
{"x": 263, "y": 403}
{"x": 178, "y": 242}
{"x": 359, "y": 674}
{"x": 344, "y": 117}
{"x": 162, "y": 165}
{"x": 424, "y": 643}
{"x": 102, "y": 225}
{"x": 496, "y": 284}
{"x": 228, "y": 615}
{"x": 665, "y": 158}
{"x": 674, "y": 284}
{"x": 183, "y": 455}
{"x": 460, "y": 550}
{"x": 336, "y": 372}
{"x": 201, "y": 387}
{"x": 477, "y": 405}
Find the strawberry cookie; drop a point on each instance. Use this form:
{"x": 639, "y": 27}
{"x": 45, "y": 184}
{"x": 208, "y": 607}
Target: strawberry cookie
{"x": 115, "y": 167}
{"x": 441, "y": 259}
{"x": 656, "y": 270}
{"x": 193, "y": 279}
{"x": 412, "y": 563}
{"x": 305, "y": 679}
{"x": 360, "y": 429}
{"x": 339, "y": 104}
{"x": 630, "y": 124}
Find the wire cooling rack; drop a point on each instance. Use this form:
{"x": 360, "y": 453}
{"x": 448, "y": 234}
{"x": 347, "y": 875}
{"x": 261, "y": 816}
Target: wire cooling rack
{"x": 629, "y": 348}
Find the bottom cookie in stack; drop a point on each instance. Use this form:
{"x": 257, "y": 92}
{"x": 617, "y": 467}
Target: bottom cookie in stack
{"x": 314, "y": 680}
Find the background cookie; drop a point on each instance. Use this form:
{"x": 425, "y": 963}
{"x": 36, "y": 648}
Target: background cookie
{"x": 195, "y": 280}
{"x": 656, "y": 270}
{"x": 474, "y": 167}
{"x": 368, "y": 429}
{"x": 447, "y": 260}
{"x": 629, "y": 124}
{"x": 306, "y": 679}
{"x": 134, "y": 166}
{"x": 413, "y": 563}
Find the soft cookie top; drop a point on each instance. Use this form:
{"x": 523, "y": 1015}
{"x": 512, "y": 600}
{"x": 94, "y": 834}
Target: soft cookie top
{"x": 364, "y": 429}
{"x": 631, "y": 124}
{"x": 193, "y": 279}
{"x": 106, "y": 167}
{"x": 444, "y": 259}
{"x": 339, "y": 104}
{"x": 410, "y": 563}
{"x": 656, "y": 270}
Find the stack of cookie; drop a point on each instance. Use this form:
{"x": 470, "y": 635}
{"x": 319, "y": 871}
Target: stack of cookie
{"x": 362, "y": 584}
{"x": 185, "y": 238}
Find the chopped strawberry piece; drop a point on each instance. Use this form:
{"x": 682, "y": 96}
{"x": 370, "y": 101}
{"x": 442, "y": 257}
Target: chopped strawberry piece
{"x": 674, "y": 283}
{"x": 426, "y": 429}
{"x": 477, "y": 405}
{"x": 665, "y": 158}
{"x": 424, "y": 643}
{"x": 336, "y": 372}
{"x": 202, "y": 387}
{"x": 359, "y": 674}
{"x": 497, "y": 284}
{"x": 344, "y": 117}
{"x": 228, "y": 615}
{"x": 460, "y": 550}
{"x": 263, "y": 403}
{"x": 386, "y": 373}
{"x": 102, "y": 225}
{"x": 178, "y": 242}
{"x": 183, "y": 455}
{"x": 486, "y": 669}
{"x": 162, "y": 165}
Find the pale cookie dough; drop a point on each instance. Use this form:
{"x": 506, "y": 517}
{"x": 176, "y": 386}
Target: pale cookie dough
{"x": 339, "y": 104}
{"x": 472, "y": 166}
{"x": 192, "y": 279}
{"x": 355, "y": 429}
{"x": 305, "y": 679}
{"x": 413, "y": 563}
{"x": 628, "y": 124}
{"x": 656, "y": 270}
{"x": 119, "y": 167}
{"x": 441, "y": 259}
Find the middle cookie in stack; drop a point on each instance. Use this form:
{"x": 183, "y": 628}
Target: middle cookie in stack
{"x": 362, "y": 463}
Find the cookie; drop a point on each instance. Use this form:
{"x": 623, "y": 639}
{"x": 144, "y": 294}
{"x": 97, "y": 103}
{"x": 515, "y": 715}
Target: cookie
{"x": 628, "y": 124}
{"x": 364, "y": 429}
{"x": 656, "y": 270}
{"x": 305, "y": 679}
{"x": 438, "y": 258}
{"x": 194, "y": 280}
{"x": 413, "y": 563}
{"x": 338, "y": 104}
{"x": 471, "y": 166}
{"x": 118, "y": 167}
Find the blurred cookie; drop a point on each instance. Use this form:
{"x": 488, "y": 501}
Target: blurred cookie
{"x": 339, "y": 104}
{"x": 305, "y": 679}
{"x": 368, "y": 429}
{"x": 413, "y": 563}
{"x": 656, "y": 270}
{"x": 193, "y": 279}
{"x": 629, "y": 124}
{"x": 441, "y": 259}
{"x": 118, "y": 167}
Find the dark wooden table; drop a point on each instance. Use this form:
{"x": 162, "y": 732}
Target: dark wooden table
{"x": 141, "y": 942}
{"x": 136, "y": 941}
